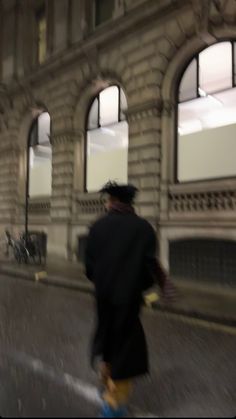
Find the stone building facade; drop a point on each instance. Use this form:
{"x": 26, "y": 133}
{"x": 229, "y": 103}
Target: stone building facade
{"x": 142, "y": 46}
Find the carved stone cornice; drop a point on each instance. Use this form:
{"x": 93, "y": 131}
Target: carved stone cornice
{"x": 144, "y": 110}
{"x": 66, "y": 137}
{"x": 201, "y": 10}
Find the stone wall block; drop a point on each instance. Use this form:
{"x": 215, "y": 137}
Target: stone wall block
{"x": 141, "y": 54}
{"x": 151, "y": 34}
{"x": 148, "y": 197}
{"x": 141, "y": 67}
{"x": 149, "y": 182}
{"x": 187, "y": 22}
{"x": 133, "y": 156}
{"x": 144, "y": 168}
{"x": 150, "y": 123}
{"x": 153, "y": 77}
{"x": 165, "y": 47}
{"x": 143, "y": 139}
{"x": 130, "y": 45}
{"x": 149, "y": 153}
{"x": 148, "y": 211}
{"x": 174, "y": 32}
{"x": 159, "y": 62}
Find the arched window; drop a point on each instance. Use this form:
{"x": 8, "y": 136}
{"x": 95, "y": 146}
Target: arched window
{"x": 107, "y": 139}
{"x": 40, "y": 157}
{"x": 206, "y": 145}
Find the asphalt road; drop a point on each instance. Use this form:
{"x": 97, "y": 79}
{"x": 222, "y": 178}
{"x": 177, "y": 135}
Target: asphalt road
{"x": 44, "y": 365}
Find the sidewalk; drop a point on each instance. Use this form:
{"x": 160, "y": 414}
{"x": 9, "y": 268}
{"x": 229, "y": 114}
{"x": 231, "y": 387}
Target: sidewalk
{"x": 210, "y": 302}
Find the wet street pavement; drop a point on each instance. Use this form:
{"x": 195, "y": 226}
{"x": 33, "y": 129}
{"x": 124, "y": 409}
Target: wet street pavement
{"x": 44, "y": 364}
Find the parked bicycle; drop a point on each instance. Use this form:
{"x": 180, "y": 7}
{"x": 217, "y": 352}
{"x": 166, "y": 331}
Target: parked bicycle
{"x": 32, "y": 247}
{"x": 24, "y": 249}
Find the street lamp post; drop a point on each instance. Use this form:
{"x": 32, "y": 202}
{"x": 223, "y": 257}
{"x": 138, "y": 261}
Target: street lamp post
{"x": 27, "y": 195}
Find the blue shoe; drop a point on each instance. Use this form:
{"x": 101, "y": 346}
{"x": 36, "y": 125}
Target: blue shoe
{"x": 109, "y": 412}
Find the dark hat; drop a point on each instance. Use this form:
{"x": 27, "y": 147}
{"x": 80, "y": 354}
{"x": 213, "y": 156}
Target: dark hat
{"x": 125, "y": 193}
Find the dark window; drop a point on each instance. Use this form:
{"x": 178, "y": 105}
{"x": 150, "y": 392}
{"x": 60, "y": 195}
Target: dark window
{"x": 41, "y": 22}
{"x": 103, "y": 11}
{"x": 205, "y": 260}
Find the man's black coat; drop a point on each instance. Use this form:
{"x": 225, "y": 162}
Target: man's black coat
{"x": 121, "y": 262}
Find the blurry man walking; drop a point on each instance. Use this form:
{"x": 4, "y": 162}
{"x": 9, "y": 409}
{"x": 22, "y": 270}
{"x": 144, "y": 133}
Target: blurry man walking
{"x": 121, "y": 262}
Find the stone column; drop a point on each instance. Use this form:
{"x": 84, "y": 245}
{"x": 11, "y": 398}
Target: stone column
{"x": 144, "y": 157}
{"x": 9, "y": 162}
{"x": 62, "y": 191}
{"x": 50, "y": 6}
{"x": 119, "y": 8}
{"x": 168, "y": 155}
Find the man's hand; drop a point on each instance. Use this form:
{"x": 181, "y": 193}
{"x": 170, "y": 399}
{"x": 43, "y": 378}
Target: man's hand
{"x": 169, "y": 292}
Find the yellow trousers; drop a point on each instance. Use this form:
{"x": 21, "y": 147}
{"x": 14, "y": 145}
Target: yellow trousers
{"x": 117, "y": 392}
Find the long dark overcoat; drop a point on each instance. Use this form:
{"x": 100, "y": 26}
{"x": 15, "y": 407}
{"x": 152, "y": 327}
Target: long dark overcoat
{"x": 121, "y": 262}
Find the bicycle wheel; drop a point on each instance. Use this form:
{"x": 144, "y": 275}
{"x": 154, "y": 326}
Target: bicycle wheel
{"x": 17, "y": 254}
{"x": 37, "y": 257}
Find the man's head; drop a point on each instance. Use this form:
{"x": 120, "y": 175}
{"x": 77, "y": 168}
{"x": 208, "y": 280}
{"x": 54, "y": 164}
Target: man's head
{"x": 119, "y": 193}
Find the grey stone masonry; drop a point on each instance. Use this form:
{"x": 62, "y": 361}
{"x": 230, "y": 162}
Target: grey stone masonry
{"x": 144, "y": 48}
{"x": 9, "y": 158}
{"x": 62, "y": 175}
{"x": 144, "y": 156}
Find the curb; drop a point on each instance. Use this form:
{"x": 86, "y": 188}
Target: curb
{"x": 211, "y": 318}
{"x": 42, "y": 277}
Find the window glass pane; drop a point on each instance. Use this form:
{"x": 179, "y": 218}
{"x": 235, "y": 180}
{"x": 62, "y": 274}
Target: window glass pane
{"x": 103, "y": 10}
{"x": 215, "y": 67}
{"x": 93, "y": 115}
{"x": 188, "y": 85}
{"x": 109, "y": 105}
{"x": 40, "y": 171}
{"x": 207, "y": 137}
{"x": 123, "y": 105}
{"x": 44, "y": 128}
{"x": 234, "y": 63}
{"x": 107, "y": 155}
{"x": 34, "y": 134}
{"x": 40, "y": 158}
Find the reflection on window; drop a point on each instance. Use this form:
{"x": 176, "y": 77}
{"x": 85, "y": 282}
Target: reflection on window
{"x": 215, "y": 68}
{"x": 107, "y": 142}
{"x": 40, "y": 157}
{"x": 103, "y": 11}
{"x": 234, "y": 55}
{"x": 188, "y": 85}
{"x": 93, "y": 115}
{"x": 109, "y": 105}
{"x": 41, "y": 35}
{"x": 207, "y": 124}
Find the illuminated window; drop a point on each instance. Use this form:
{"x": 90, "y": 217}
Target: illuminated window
{"x": 41, "y": 35}
{"x": 107, "y": 139}
{"x": 207, "y": 116}
{"x": 40, "y": 157}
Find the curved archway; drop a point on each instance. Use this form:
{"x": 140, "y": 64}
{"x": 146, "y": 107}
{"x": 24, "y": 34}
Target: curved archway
{"x": 207, "y": 115}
